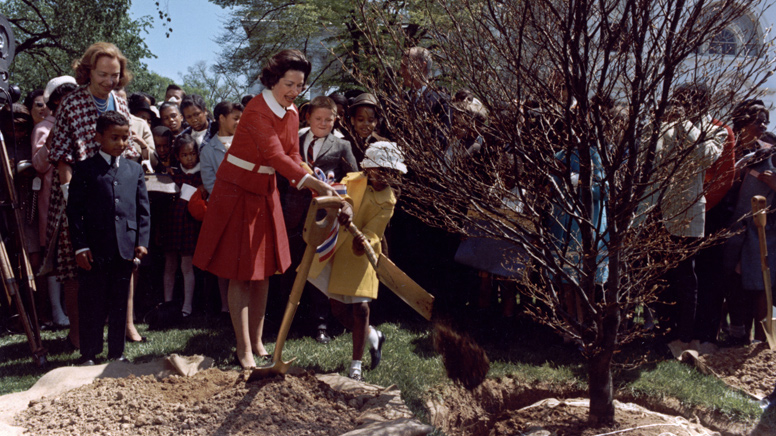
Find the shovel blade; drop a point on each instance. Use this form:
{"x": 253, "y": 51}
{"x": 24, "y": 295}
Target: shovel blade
{"x": 406, "y": 288}
{"x": 770, "y": 332}
{"x": 271, "y": 370}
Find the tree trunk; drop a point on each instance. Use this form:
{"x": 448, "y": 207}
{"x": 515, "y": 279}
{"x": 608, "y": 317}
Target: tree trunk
{"x": 601, "y": 390}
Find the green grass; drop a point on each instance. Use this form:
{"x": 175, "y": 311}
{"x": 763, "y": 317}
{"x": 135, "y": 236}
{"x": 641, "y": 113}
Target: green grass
{"x": 523, "y": 351}
{"x": 680, "y": 381}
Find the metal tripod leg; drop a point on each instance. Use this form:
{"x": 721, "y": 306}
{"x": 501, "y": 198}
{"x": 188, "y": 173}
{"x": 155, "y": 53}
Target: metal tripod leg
{"x": 12, "y": 287}
{"x": 30, "y": 323}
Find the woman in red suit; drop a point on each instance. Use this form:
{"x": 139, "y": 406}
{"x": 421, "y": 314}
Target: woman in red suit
{"x": 243, "y": 237}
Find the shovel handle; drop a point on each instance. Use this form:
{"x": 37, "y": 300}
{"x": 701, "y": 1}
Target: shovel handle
{"x": 758, "y": 210}
{"x": 370, "y": 252}
{"x": 759, "y": 217}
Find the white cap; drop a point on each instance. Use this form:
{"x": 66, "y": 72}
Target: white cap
{"x": 383, "y": 154}
{"x": 55, "y": 83}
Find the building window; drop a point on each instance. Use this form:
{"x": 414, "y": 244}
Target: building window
{"x": 723, "y": 43}
{"x": 743, "y": 36}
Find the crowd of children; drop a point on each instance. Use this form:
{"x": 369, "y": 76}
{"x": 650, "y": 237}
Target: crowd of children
{"x": 179, "y": 147}
{"x": 141, "y": 188}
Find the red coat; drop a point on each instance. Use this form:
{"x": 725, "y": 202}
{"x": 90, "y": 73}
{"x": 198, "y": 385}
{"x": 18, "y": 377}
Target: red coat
{"x": 243, "y": 236}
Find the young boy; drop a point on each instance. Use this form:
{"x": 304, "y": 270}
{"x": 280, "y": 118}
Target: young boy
{"x": 331, "y": 158}
{"x": 348, "y": 278}
{"x": 108, "y": 214}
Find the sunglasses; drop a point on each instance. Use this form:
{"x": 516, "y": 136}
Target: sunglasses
{"x": 40, "y": 104}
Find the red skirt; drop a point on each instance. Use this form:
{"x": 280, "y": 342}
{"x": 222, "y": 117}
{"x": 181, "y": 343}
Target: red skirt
{"x": 243, "y": 236}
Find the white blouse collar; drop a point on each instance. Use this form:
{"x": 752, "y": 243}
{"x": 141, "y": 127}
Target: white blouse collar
{"x": 190, "y": 171}
{"x": 273, "y": 104}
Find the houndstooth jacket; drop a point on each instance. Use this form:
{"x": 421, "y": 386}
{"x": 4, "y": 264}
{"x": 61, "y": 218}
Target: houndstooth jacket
{"x": 72, "y": 137}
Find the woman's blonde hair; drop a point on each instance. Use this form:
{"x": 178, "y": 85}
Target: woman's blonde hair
{"x": 83, "y": 67}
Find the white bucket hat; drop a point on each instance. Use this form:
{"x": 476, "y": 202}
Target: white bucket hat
{"x": 55, "y": 83}
{"x": 384, "y": 154}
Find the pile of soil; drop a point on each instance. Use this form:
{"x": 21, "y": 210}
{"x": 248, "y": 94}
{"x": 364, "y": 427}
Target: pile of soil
{"x": 223, "y": 402}
{"x": 210, "y": 402}
{"x": 511, "y": 407}
{"x": 749, "y": 369}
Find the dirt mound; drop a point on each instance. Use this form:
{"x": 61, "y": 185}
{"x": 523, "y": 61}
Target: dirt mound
{"x": 510, "y": 407}
{"x": 214, "y": 402}
{"x": 749, "y": 369}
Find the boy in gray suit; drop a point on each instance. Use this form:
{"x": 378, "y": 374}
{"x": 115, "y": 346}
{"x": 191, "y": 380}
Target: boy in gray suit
{"x": 331, "y": 158}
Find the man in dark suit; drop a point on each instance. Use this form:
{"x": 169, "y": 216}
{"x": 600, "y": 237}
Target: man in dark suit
{"x": 331, "y": 158}
{"x": 109, "y": 218}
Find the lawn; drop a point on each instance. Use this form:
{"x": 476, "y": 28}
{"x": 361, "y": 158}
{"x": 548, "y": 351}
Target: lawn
{"x": 517, "y": 349}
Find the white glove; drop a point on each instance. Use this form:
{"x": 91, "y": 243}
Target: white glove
{"x": 65, "y": 191}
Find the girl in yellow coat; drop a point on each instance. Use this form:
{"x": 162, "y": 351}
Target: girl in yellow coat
{"x": 347, "y": 277}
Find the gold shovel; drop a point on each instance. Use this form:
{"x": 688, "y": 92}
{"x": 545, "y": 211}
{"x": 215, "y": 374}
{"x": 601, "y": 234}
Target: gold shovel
{"x": 314, "y": 234}
{"x": 758, "y": 214}
{"x": 395, "y": 279}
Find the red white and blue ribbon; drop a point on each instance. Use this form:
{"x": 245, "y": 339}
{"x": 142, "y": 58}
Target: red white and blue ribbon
{"x": 326, "y": 249}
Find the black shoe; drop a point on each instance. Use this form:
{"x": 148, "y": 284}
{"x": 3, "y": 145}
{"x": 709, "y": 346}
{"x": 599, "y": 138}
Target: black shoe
{"x": 377, "y": 353}
{"x": 122, "y": 359}
{"x": 323, "y": 337}
{"x": 87, "y": 361}
{"x": 732, "y": 342}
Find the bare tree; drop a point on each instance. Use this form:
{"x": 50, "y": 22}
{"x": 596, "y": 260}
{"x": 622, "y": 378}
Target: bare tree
{"x": 214, "y": 87}
{"x": 579, "y": 97}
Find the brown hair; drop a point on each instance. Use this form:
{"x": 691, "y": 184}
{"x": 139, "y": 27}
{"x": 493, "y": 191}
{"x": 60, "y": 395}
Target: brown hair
{"x": 83, "y": 67}
{"x": 323, "y": 102}
{"x": 280, "y": 63}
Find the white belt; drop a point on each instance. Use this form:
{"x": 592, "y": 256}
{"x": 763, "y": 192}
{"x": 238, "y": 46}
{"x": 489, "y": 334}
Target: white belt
{"x": 244, "y": 164}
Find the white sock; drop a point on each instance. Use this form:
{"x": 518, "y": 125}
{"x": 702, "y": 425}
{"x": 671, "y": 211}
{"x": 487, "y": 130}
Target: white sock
{"x": 55, "y": 290}
{"x": 355, "y": 367}
{"x": 373, "y": 339}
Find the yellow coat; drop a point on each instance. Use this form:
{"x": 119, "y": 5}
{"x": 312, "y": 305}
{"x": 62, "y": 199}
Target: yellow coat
{"x": 350, "y": 274}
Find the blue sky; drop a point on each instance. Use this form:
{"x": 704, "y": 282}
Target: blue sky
{"x": 195, "y": 23}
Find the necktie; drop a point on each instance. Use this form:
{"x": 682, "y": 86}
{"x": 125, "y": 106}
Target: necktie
{"x": 310, "y": 159}
{"x": 113, "y": 161}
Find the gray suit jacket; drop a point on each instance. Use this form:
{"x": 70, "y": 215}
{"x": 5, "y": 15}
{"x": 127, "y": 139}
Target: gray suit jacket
{"x": 336, "y": 155}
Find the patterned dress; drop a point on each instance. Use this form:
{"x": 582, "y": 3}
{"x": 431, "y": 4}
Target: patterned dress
{"x": 181, "y": 230}
{"x": 72, "y": 140}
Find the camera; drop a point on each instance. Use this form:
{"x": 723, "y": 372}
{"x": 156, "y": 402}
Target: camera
{"x": 8, "y": 93}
